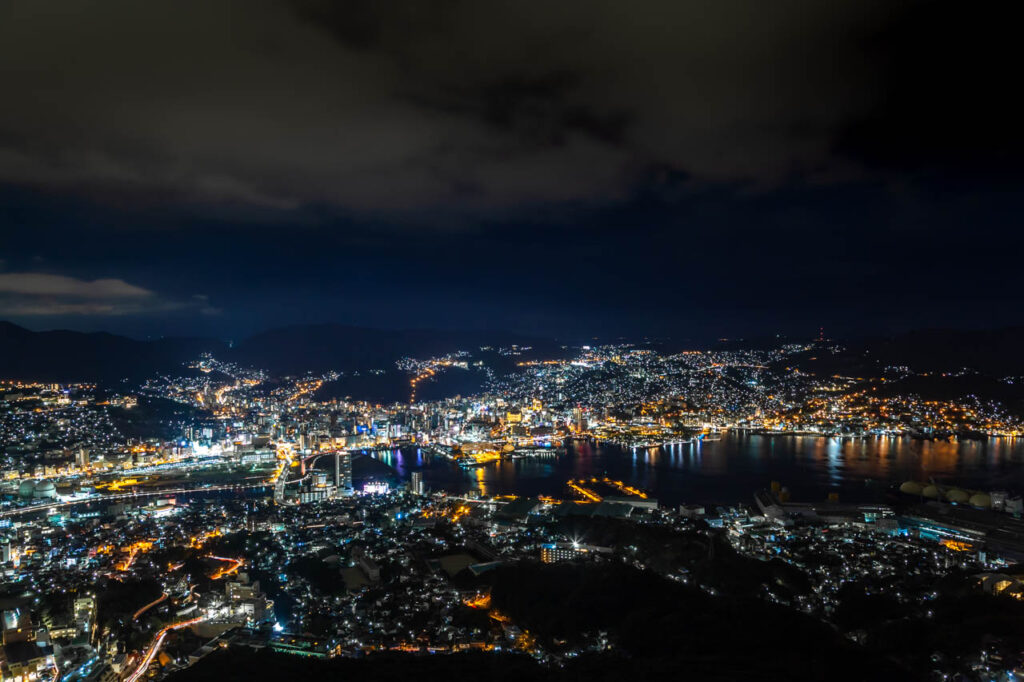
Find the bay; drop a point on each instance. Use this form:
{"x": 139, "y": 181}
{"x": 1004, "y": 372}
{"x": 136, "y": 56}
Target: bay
{"x": 730, "y": 470}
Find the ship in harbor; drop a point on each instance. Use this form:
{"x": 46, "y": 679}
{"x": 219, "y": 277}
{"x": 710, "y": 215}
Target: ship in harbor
{"x": 532, "y": 451}
{"x": 474, "y": 459}
{"x": 467, "y": 462}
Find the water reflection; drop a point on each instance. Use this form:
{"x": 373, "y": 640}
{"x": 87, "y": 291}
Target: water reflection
{"x": 729, "y": 470}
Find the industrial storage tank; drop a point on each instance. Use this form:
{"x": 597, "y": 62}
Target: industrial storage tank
{"x": 981, "y": 500}
{"x": 957, "y": 496}
{"x": 26, "y": 488}
{"x": 931, "y": 491}
{"x": 45, "y": 490}
{"x": 911, "y": 488}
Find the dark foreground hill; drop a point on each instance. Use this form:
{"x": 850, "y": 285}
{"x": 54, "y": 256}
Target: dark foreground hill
{"x": 661, "y": 631}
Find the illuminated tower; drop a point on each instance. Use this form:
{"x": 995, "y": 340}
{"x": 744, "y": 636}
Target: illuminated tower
{"x": 342, "y": 471}
{"x": 579, "y": 419}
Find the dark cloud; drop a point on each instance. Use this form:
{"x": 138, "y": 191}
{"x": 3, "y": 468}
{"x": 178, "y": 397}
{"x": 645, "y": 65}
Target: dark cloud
{"x": 37, "y": 294}
{"x": 377, "y": 107}
{"x": 944, "y": 98}
{"x": 580, "y": 165}
{"x": 41, "y": 284}
{"x": 534, "y": 112}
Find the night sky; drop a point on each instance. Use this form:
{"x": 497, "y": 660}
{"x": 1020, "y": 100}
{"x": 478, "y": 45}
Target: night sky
{"x": 567, "y": 168}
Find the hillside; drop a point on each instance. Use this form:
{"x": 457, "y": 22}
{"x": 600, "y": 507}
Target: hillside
{"x": 298, "y": 349}
{"x": 995, "y": 352}
{"x": 69, "y": 356}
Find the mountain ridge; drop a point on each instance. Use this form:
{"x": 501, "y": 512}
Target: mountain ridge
{"x": 64, "y": 355}
{"x": 70, "y": 356}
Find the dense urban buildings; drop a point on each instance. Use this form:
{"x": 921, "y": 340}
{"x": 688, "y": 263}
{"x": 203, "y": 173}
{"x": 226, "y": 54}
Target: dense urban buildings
{"x": 410, "y": 340}
{"x": 224, "y": 510}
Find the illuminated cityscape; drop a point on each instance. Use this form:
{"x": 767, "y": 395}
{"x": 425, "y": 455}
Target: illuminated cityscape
{"x": 263, "y": 513}
{"x": 408, "y": 340}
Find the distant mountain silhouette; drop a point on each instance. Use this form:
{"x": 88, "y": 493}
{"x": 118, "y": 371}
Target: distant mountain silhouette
{"x": 64, "y": 356}
{"x": 298, "y": 349}
{"x": 996, "y": 352}
{"x": 993, "y": 351}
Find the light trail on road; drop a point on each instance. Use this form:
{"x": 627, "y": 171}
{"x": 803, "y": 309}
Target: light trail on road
{"x": 155, "y": 647}
{"x": 220, "y": 573}
{"x": 150, "y": 605}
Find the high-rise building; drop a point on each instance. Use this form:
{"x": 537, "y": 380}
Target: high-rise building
{"x": 83, "y": 458}
{"x": 416, "y": 485}
{"x": 342, "y": 471}
{"x": 17, "y": 626}
{"x": 579, "y": 419}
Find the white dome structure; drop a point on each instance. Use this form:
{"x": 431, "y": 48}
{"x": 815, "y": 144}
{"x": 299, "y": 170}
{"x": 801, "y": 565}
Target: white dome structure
{"x": 45, "y": 490}
{"x": 958, "y": 496}
{"x": 911, "y": 488}
{"x": 981, "y": 500}
{"x": 26, "y": 488}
